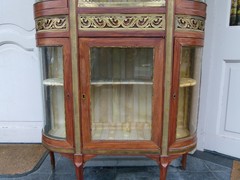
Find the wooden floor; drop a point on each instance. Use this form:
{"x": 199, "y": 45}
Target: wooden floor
{"x": 235, "y": 175}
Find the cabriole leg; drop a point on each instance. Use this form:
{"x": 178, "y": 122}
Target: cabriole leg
{"x": 184, "y": 161}
{"x": 78, "y": 162}
{"x": 52, "y": 159}
{"x": 164, "y": 162}
{"x": 163, "y": 172}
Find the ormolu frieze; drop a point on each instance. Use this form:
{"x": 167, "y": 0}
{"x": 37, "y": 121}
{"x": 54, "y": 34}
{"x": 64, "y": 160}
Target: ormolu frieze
{"x": 52, "y": 23}
{"x": 120, "y": 3}
{"x": 191, "y": 23}
{"x": 122, "y": 22}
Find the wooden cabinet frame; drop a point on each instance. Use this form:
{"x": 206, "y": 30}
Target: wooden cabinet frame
{"x": 68, "y": 143}
{"x": 165, "y": 29}
{"x": 175, "y": 144}
{"x": 158, "y": 45}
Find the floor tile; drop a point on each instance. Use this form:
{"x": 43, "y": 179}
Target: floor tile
{"x": 214, "y": 157}
{"x": 64, "y": 166}
{"x": 195, "y": 165}
{"x": 216, "y": 167}
{"x": 222, "y": 175}
{"x": 191, "y": 176}
{"x": 62, "y": 177}
{"x": 45, "y": 167}
{"x": 100, "y": 173}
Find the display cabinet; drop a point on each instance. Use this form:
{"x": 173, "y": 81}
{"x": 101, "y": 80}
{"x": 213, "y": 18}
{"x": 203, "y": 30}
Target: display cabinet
{"x": 120, "y": 77}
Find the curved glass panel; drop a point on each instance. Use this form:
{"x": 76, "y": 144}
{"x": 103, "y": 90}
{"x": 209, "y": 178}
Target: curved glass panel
{"x": 120, "y": 3}
{"x": 121, "y": 93}
{"x": 190, "y": 68}
{"x": 53, "y": 86}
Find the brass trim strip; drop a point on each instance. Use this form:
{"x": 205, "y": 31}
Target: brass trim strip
{"x": 121, "y": 22}
{"x": 52, "y": 23}
{"x": 147, "y": 3}
{"x": 119, "y": 152}
{"x": 189, "y": 23}
{"x": 188, "y": 148}
{"x": 74, "y": 56}
{"x": 168, "y": 74}
{"x": 56, "y": 149}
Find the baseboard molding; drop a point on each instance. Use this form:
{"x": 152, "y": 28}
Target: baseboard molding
{"x": 20, "y": 132}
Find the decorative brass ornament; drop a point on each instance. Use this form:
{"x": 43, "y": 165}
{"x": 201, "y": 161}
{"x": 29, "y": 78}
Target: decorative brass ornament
{"x": 122, "y": 22}
{"x": 190, "y": 23}
{"x": 119, "y": 3}
{"x": 52, "y": 23}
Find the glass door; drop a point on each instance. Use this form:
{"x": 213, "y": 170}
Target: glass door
{"x": 185, "y": 89}
{"x": 57, "y": 92}
{"x": 118, "y": 90}
{"x": 121, "y": 93}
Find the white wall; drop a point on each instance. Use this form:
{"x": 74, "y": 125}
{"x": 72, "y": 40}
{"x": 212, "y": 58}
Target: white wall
{"x": 206, "y": 67}
{"x": 21, "y": 116}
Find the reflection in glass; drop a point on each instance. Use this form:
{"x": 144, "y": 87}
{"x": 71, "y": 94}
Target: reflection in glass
{"x": 188, "y": 91}
{"x": 235, "y": 13}
{"x": 121, "y": 93}
{"x": 52, "y": 62}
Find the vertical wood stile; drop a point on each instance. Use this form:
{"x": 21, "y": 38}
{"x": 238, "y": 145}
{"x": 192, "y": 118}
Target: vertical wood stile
{"x": 74, "y": 58}
{"x": 168, "y": 72}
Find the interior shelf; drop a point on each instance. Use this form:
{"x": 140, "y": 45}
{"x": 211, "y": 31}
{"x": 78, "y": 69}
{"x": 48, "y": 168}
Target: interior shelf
{"x": 99, "y": 83}
{"x": 121, "y": 131}
{"x": 53, "y": 82}
{"x": 186, "y": 82}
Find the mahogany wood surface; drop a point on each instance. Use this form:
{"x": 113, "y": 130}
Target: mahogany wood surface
{"x": 51, "y": 12}
{"x": 122, "y": 33}
{"x": 47, "y": 8}
{"x": 191, "y": 8}
{"x": 44, "y": 35}
{"x": 56, "y": 145}
{"x": 52, "y": 159}
{"x": 51, "y": 4}
{"x": 125, "y": 10}
{"x": 195, "y": 35}
{"x": 184, "y": 161}
{"x": 78, "y": 162}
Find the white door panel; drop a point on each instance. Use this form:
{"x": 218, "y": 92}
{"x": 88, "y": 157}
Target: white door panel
{"x": 21, "y": 114}
{"x": 231, "y": 101}
{"x": 219, "y": 128}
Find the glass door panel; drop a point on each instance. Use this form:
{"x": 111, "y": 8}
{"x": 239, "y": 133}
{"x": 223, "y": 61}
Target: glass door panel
{"x": 190, "y": 68}
{"x": 121, "y": 93}
{"x": 52, "y": 62}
